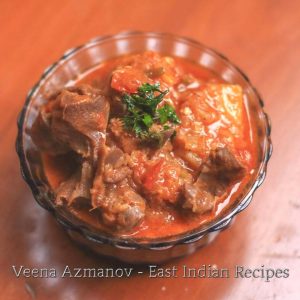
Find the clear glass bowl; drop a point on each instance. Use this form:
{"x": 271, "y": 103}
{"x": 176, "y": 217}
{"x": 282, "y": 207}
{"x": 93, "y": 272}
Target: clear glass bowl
{"x": 77, "y": 61}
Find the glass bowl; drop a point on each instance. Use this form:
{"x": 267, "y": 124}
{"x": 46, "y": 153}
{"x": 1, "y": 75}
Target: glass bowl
{"x": 77, "y": 61}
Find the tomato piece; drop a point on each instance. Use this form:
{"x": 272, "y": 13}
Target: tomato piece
{"x": 128, "y": 79}
{"x": 152, "y": 175}
{"x": 148, "y": 67}
{"x": 164, "y": 180}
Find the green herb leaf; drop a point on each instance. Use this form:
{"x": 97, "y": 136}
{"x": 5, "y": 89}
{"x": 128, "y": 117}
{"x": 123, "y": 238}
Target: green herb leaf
{"x": 148, "y": 121}
{"x": 167, "y": 113}
{"x": 142, "y": 112}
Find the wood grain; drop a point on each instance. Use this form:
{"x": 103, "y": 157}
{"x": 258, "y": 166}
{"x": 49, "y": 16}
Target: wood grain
{"x": 263, "y": 38}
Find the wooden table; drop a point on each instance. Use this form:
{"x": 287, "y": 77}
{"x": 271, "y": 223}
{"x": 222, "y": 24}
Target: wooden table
{"x": 263, "y": 38}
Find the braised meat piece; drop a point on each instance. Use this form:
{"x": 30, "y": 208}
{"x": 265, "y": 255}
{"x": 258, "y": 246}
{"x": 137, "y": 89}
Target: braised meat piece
{"x": 121, "y": 207}
{"x": 77, "y": 188}
{"x": 79, "y": 119}
{"x": 219, "y": 171}
{"x": 115, "y": 166}
{"x": 197, "y": 198}
{"x": 40, "y": 129}
{"x": 75, "y": 120}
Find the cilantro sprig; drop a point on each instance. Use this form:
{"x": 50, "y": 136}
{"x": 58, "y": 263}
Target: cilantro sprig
{"x": 142, "y": 113}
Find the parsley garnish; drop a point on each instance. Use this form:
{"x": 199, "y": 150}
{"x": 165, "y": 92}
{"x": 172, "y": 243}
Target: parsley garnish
{"x": 142, "y": 113}
{"x": 167, "y": 113}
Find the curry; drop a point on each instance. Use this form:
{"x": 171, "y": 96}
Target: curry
{"x": 147, "y": 145}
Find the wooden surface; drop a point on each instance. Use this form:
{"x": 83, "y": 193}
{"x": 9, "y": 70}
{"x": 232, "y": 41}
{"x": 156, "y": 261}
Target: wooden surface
{"x": 263, "y": 38}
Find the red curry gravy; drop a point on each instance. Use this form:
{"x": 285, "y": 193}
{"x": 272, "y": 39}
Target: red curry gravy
{"x": 205, "y": 125}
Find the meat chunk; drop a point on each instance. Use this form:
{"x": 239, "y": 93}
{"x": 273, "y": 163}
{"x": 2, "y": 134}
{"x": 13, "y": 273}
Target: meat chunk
{"x": 75, "y": 120}
{"x": 79, "y": 119}
{"x": 221, "y": 170}
{"x": 44, "y": 138}
{"x": 217, "y": 173}
{"x": 121, "y": 207}
{"x": 77, "y": 188}
{"x": 197, "y": 198}
{"x": 115, "y": 166}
